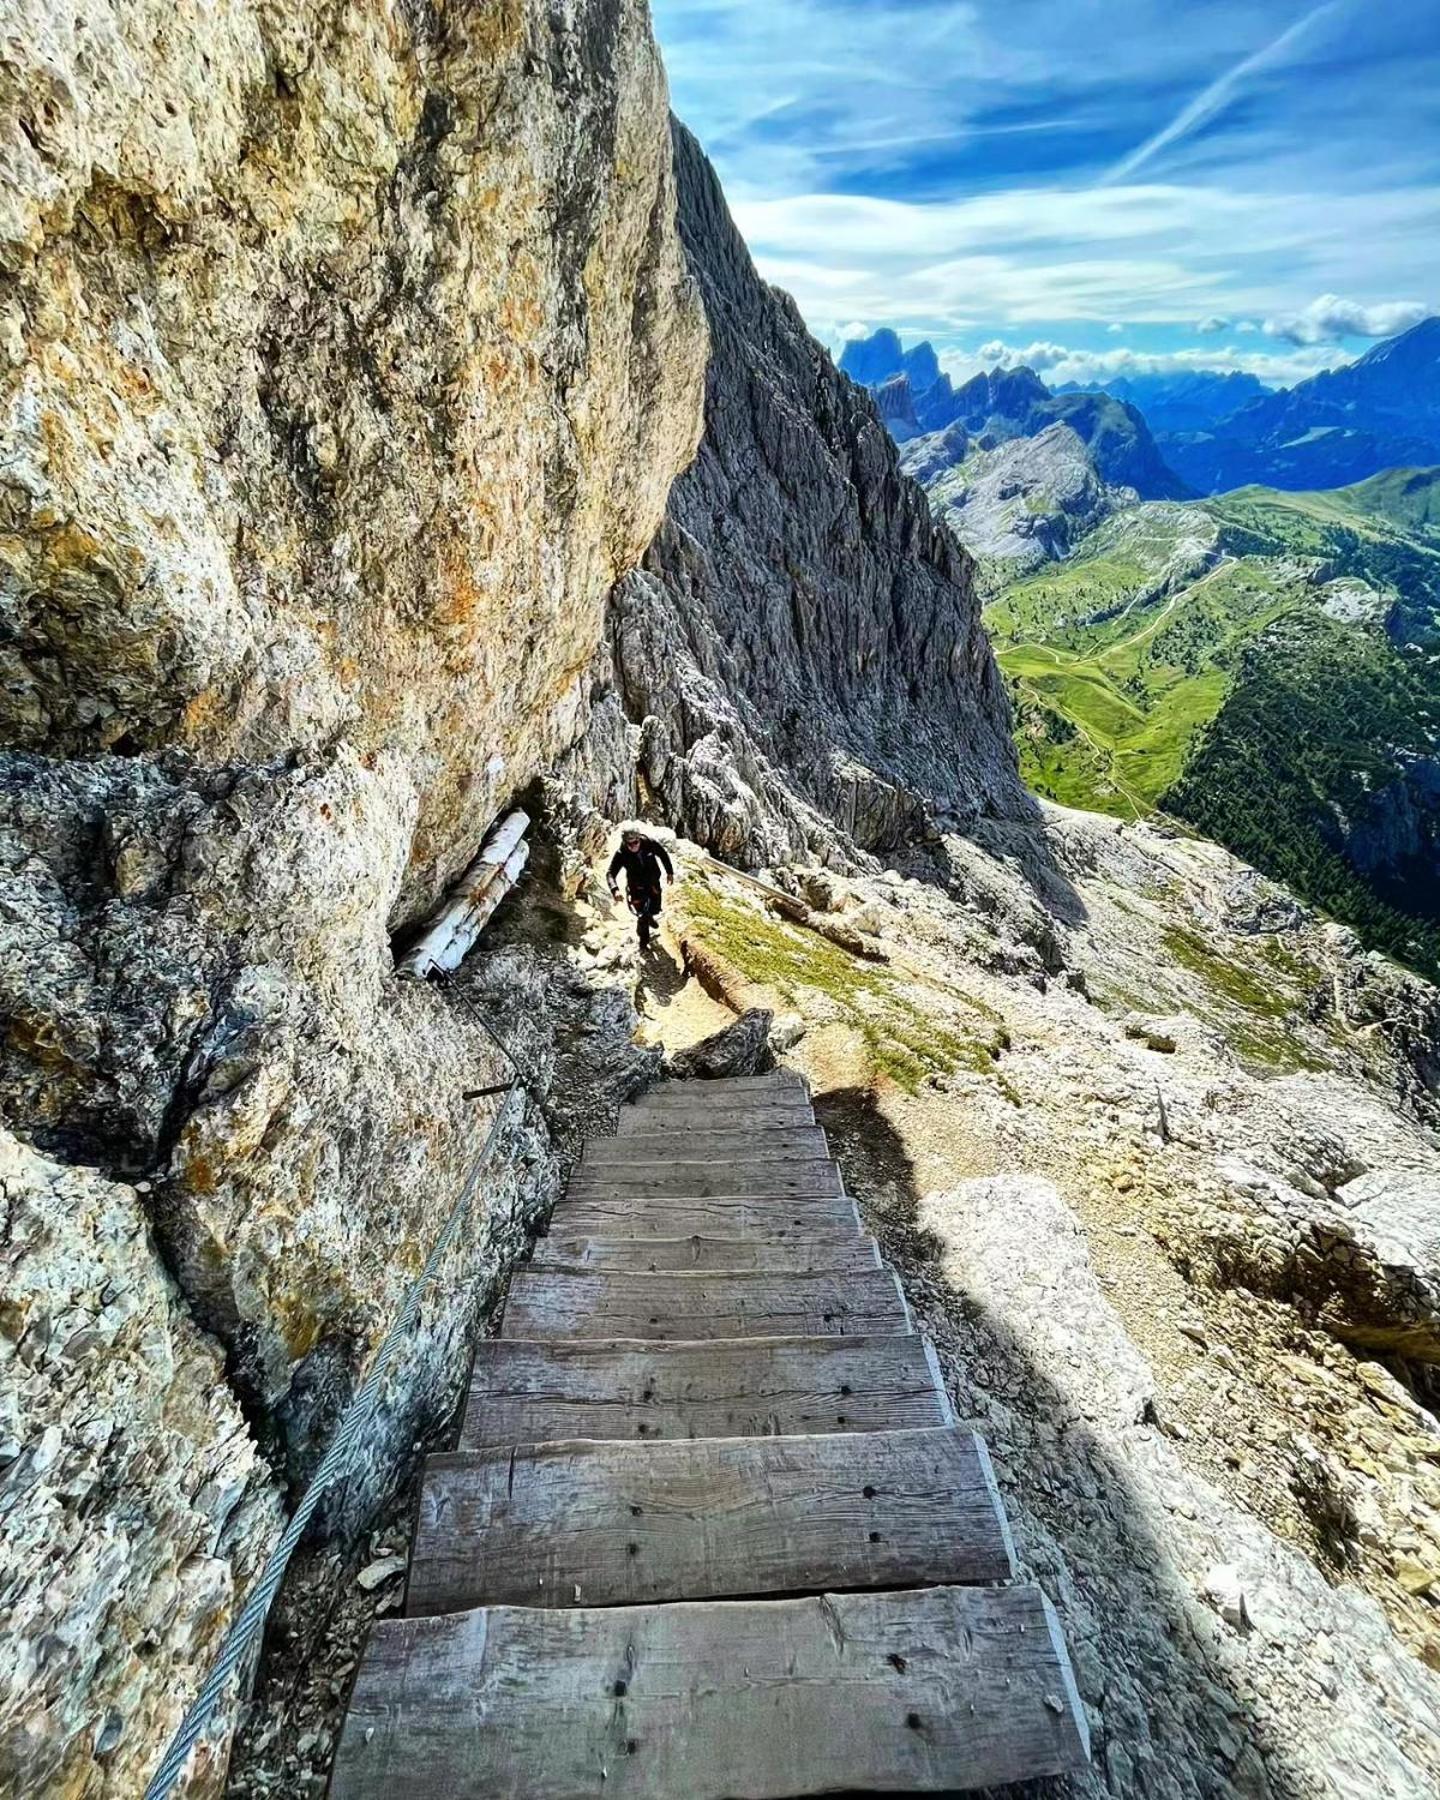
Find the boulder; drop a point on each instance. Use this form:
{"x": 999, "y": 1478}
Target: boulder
{"x": 740, "y": 1049}
{"x": 1363, "y": 1258}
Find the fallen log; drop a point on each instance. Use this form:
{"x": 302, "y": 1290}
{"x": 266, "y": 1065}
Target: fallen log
{"x": 453, "y": 928}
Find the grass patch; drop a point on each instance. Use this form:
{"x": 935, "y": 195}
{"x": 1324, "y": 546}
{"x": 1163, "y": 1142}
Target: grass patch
{"x": 902, "y": 1040}
{"x": 1260, "y": 1035}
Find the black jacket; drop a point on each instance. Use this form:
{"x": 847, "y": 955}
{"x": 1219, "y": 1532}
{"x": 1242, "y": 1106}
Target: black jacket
{"x": 642, "y": 866}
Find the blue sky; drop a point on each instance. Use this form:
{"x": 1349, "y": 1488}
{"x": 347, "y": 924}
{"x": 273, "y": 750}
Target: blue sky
{"x": 1088, "y": 185}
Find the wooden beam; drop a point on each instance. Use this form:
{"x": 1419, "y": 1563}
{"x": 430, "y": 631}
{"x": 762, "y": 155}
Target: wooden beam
{"x": 747, "y": 1117}
{"x": 924, "y": 1691}
{"x": 831, "y": 1251}
{"x": 682, "y": 1177}
{"x": 801, "y": 1143}
{"x": 690, "y": 1307}
{"x": 629, "y": 1215}
{"x": 627, "y": 1524}
{"x": 523, "y": 1392}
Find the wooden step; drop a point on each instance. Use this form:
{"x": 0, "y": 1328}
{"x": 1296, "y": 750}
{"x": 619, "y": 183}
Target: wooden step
{"x": 680, "y": 1253}
{"x": 692, "y": 1307}
{"x": 660, "y": 1101}
{"x": 692, "y": 1179}
{"x": 672, "y": 1119}
{"x": 777, "y": 1081}
{"x": 801, "y": 1143}
{"x": 523, "y": 1392}
{"x": 647, "y": 1216}
{"x": 920, "y": 1691}
{"x": 630, "y": 1524}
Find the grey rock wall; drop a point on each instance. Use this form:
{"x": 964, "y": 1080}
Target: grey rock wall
{"x": 802, "y": 649}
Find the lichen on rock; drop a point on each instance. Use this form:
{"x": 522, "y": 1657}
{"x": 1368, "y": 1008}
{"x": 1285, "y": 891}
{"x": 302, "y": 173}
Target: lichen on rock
{"x": 346, "y": 358}
{"x": 135, "y": 1502}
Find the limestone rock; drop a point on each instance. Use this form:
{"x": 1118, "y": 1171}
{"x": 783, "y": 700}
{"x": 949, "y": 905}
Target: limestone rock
{"x": 1363, "y": 1255}
{"x": 355, "y": 360}
{"x": 797, "y": 602}
{"x": 1130, "y": 1538}
{"x": 1017, "y": 504}
{"x": 137, "y": 1508}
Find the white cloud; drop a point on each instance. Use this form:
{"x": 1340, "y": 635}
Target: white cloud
{"x": 1033, "y": 256}
{"x": 1218, "y": 95}
{"x": 855, "y": 329}
{"x": 1328, "y": 319}
{"x": 998, "y": 355}
{"x": 1115, "y": 328}
{"x": 1209, "y": 326}
{"x": 1061, "y": 364}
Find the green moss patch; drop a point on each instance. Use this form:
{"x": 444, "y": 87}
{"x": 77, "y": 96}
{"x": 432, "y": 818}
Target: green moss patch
{"x": 903, "y": 1041}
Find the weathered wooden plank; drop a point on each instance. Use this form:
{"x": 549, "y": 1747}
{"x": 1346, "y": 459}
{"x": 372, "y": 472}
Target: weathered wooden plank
{"x": 626, "y": 1524}
{"x": 921, "y": 1691}
{"x": 831, "y": 1251}
{"x": 647, "y": 1216}
{"x": 774, "y": 1081}
{"x": 689, "y": 1178}
{"x": 691, "y": 1307}
{"x": 524, "y": 1392}
{"x": 634, "y": 1119}
{"x": 799, "y": 1144}
{"x": 701, "y": 1098}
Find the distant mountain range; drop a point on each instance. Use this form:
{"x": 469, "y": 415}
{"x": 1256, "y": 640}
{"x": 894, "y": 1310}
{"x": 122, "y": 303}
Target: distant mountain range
{"x": 1382, "y": 412}
{"x": 1264, "y": 663}
{"x": 1192, "y": 400}
{"x": 917, "y": 399}
{"x": 1195, "y": 432}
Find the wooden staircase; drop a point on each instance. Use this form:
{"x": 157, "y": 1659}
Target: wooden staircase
{"x": 712, "y": 1532}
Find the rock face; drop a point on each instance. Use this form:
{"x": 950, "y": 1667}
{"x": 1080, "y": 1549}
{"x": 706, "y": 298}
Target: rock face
{"x": 330, "y": 347}
{"x": 136, "y": 1504}
{"x": 740, "y": 1049}
{"x": 346, "y": 359}
{"x": 802, "y": 649}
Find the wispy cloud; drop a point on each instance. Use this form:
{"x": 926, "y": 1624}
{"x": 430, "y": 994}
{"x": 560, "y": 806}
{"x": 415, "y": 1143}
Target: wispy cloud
{"x": 1145, "y": 255}
{"x": 967, "y": 169}
{"x": 1061, "y": 363}
{"x": 1222, "y": 91}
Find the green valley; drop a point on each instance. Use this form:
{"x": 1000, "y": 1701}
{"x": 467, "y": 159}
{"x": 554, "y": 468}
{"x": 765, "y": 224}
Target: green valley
{"x": 1264, "y": 667}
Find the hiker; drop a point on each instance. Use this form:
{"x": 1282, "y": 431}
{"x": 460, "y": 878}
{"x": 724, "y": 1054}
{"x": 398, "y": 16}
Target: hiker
{"x": 642, "y": 859}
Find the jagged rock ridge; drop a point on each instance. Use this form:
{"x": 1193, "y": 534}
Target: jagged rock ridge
{"x": 802, "y": 649}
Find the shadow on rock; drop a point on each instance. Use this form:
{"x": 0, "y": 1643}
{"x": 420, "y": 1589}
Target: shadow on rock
{"x": 1167, "y": 1717}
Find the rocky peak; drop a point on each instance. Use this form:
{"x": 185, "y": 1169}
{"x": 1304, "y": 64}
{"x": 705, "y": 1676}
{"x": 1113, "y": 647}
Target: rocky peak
{"x": 1004, "y": 393}
{"x": 895, "y": 403}
{"x": 871, "y": 360}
